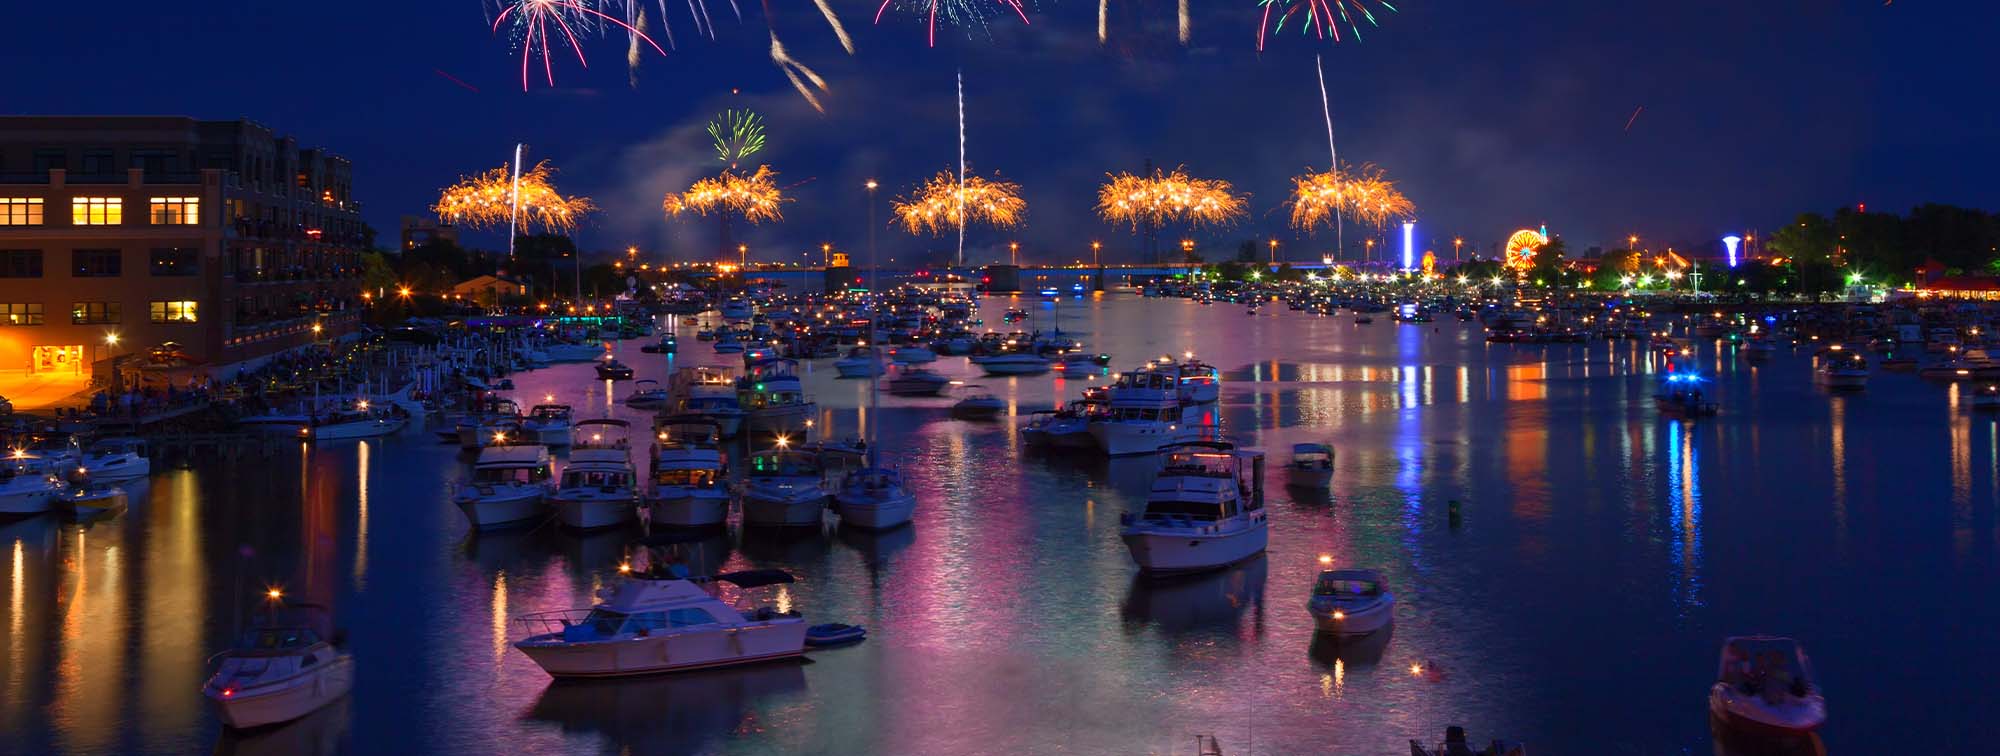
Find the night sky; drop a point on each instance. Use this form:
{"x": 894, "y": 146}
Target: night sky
{"x": 1491, "y": 115}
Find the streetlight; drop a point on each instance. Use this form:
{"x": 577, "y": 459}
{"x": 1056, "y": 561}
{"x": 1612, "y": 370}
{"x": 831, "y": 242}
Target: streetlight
{"x": 825, "y": 254}
{"x": 1274, "y": 253}
{"x": 1014, "y": 254}
{"x": 1094, "y": 248}
{"x": 1370, "y": 244}
{"x": 1456, "y": 244}
{"x": 1187, "y": 251}
{"x": 742, "y": 256}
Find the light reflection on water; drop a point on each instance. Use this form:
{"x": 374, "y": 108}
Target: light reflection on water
{"x": 1599, "y": 549}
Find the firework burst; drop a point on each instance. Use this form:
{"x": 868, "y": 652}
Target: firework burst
{"x": 540, "y": 27}
{"x": 1365, "y": 195}
{"x": 942, "y": 204}
{"x": 488, "y": 200}
{"x": 737, "y": 135}
{"x": 1318, "y": 17}
{"x": 965, "y": 14}
{"x": 1162, "y": 198}
{"x": 754, "y": 197}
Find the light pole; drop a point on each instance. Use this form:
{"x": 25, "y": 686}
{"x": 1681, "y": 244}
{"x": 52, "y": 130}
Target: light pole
{"x": 1370, "y": 244}
{"x": 1014, "y": 254}
{"x": 825, "y": 254}
{"x": 871, "y": 235}
{"x": 1095, "y": 260}
{"x": 1187, "y": 252}
{"x": 1274, "y": 254}
{"x": 743, "y": 257}
{"x": 1456, "y": 244}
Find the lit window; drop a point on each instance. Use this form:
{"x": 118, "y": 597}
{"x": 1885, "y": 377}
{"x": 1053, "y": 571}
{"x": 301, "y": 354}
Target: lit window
{"x": 173, "y": 312}
{"x": 91, "y": 313}
{"x": 21, "y": 313}
{"x": 97, "y": 211}
{"x": 20, "y": 211}
{"x": 176, "y": 211}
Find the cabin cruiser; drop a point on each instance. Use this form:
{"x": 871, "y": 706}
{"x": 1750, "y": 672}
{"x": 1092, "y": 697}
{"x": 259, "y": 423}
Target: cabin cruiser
{"x": 1455, "y": 744}
{"x": 782, "y": 487}
{"x": 774, "y": 399}
{"x": 1144, "y": 413}
{"x": 598, "y": 489}
{"x": 496, "y": 421}
{"x": 547, "y": 424}
{"x": 1067, "y": 428}
{"x": 1765, "y": 686}
{"x": 613, "y": 370}
{"x": 658, "y": 620}
{"x": 647, "y": 395}
{"x": 1016, "y": 363}
{"x": 1843, "y": 370}
{"x": 911, "y": 354}
{"x": 1350, "y": 603}
{"x": 573, "y": 352}
{"x": 281, "y": 669}
{"x": 114, "y": 459}
{"x": 359, "y": 421}
{"x": 916, "y": 381}
{"x": 709, "y": 392}
{"x": 1311, "y": 466}
{"x": 52, "y": 452}
{"x": 26, "y": 486}
{"x": 727, "y": 344}
{"x": 1205, "y": 511}
{"x": 1200, "y": 382}
{"x": 509, "y": 485}
{"x": 1986, "y": 397}
{"x": 1680, "y": 394}
{"x": 874, "y": 498}
{"x": 686, "y": 489}
{"x": 736, "y": 309}
{"x": 860, "y": 362}
{"x": 1079, "y": 362}
{"x": 978, "y": 404}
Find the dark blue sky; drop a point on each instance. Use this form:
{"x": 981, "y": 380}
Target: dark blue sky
{"x": 1492, "y": 115}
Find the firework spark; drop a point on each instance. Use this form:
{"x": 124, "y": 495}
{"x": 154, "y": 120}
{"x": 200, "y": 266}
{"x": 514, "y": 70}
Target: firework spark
{"x": 487, "y": 200}
{"x": 1162, "y": 198}
{"x": 1321, "y": 18}
{"x": 965, "y": 14}
{"x": 541, "y": 26}
{"x": 737, "y": 134}
{"x": 754, "y": 197}
{"x": 1365, "y": 195}
{"x": 943, "y": 204}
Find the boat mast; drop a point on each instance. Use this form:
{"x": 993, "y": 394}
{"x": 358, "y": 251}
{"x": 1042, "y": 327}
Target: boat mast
{"x": 874, "y": 345}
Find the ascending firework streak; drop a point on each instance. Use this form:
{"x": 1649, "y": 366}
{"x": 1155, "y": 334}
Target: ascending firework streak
{"x": 1332, "y": 156}
{"x": 514, "y": 203}
{"x": 737, "y": 134}
{"x": 966, "y": 14}
{"x": 500, "y": 196}
{"x": 1186, "y": 26}
{"x": 537, "y": 22}
{"x": 1320, "y": 17}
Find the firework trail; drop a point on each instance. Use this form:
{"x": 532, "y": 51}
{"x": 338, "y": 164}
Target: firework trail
{"x": 541, "y": 26}
{"x": 1633, "y": 119}
{"x": 965, "y": 14}
{"x": 1321, "y": 17}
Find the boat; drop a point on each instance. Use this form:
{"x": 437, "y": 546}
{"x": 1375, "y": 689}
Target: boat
{"x": 1079, "y": 362}
{"x": 656, "y": 620}
{"x": 1200, "y": 383}
{"x": 666, "y": 345}
{"x": 1845, "y": 370}
{"x": 1143, "y": 413}
{"x": 496, "y": 420}
{"x": 1350, "y": 603}
{"x": 727, "y": 345}
{"x": 1986, "y": 397}
{"x": 362, "y": 420}
{"x": 281, "y": 669}
{"x": 847, "y": 452}
{"x": 573, "y": 352}
{"x": 1455, "y": 745}
{"x": 1680, "y": 394}
{"x": 860, "y": 362}
{"x": 978, "y": 404}
{"x": 647, "y": 395}
{"x": 1363, "y": 319}
{"x": 916, "y": 381}
{"x": 1066, "y": 428}
{"x": 26, "y": 486}
{"x": 509, "y": 485}
{"x": 737, "y": 309}
{"x": 1205, "y": 511}
{"x": 613, "y": 370}
{"x": 598, "y": 489}
{"x": 1758, "y": 349}
{"x": 686, "y": 488}
{"x": 709, "y": 392}
{"x": 1017, "y": 363}
{"x": 94, "y": 500}
{"x": 835, "y": 634}
{"x": 911, "y": 354}
{"x": 1311, "y": 466}
{"x": 1764, "y": 686}
{"x": 1953, "y": 369}
{"x": 547, "y": 424}
{"x": 117, "y": 458}
{"x": 874, "y": 498}
{"x": 784, "y": 487}
{"x": 774, "y": 399}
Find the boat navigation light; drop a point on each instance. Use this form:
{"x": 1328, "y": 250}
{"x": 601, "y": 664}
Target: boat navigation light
{"x": 1339, "y": 615}
{"x": 1326, "y": 559}
{"x": 274, "y": 594}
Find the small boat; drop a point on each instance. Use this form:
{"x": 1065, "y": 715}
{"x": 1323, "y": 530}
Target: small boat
{"x": 686, "y": 489}
{"x": 666, "y": 345}
{"x": 917, "y": 381}
{"x": 657, "y": 620}
{"x": 613, "y": 370}
{"x": 911, "y": 354}
{"x": 845, "y": 451}
{"x": 1018, "y": 363}
{"x": 1986, "y": 397}
{"x": 94, "y": 500}
{"x": 728, "y": 345}
{"x": 26, "y": 487}
{"x": 1765, "y": 686}
{"x": 1350, "y": 603}
{"x": 1455, "y": 745}
{"x": 1846, "y": 370}
{"x": 281, "y": 669}
{"x": 978, "y": 404}
{"x": 1363, "y": 319}
{"x": 861, "y": 362}
{"x": 1680, "y": 394}
{"x": 647, "y": 395}
{"x": 509, "y": 485}
{"x": 547, "y": 424}
{"x": 1080, "y": 361}
{"x": 1311, "y": 466}
{"x": 1068, "y": 427}
{"x": 874, "y": 498}
{"x": 835, "y": 634}
{"x": 1948, "y": 370}
{"x": 1205, "y": 511}
{"x": 121, "y": 458}
{"x": 784, "y": 488}
{"x": 362, "y": 420}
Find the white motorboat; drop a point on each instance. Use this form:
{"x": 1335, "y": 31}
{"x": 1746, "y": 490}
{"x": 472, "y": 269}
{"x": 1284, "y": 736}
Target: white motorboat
{"x": 784, "y": 488}
{"x": 1144, "y": 413}
{"x": 647, "y": 395}
{"x": 1311, "y": 466}
{"x": 1765, "y": 686}
{"x": 860, "y": 362}
{"x": 916, "y": 381}
{"x": 26, "y": 486}
{"x": 912, "y": 354}
{"x": 737, "y": 309}
{"x": 873, "y": 498}
{"x": 727, "y": 345}
{"x": 281, "y": 669}
{"x": 656, "y": 621}
{"x": 711, "y": 393}
{"x": 496, "y": 420}
{"x": 94, "y": 500}
{"x": 547, "y": 424}
{"x": 573, "y": 352}
{"x": 1205, "y": 511}
{"x": 598, "y": 488}
{"x": 1844, "y": 370}
{"x": 1200, "y": 382}
{"x": 1350, "y": 603}
{"x": 686, "y": 489}
{"x": 1758, "y": 349}
{"x": 775, "y": 400}
{"x": 363, "y": 420}
{"x": 509, "y": 485}
{"x": 978, "y": 404}
{"x": 119, "y": 458}
{"x": 1017, "y": 363}
{"x": 1067, "y": 428}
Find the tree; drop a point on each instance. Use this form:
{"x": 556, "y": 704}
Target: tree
{"x": 377, "y": 276}
{"x": 1547, "y": 266}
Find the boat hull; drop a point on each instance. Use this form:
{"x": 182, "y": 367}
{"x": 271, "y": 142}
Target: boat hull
{"x": 787, "y": 420}
{"x": 593, "y": 513}
{"x": 675, "y": 652}
{"x": 682, "y": 509}
{"x": 1308, "y": 477}
{"x": 502, "y": 509}
{"x": 773, "y": 510}
{"x": 286, "y": 701}
{"x": 875, "y": 512}
{"x": 1352, "y": 623}
{"x": 1167, "y": 551}
{"x": 26, "y": 502}
{"x": 119, "y": 468}
{"x": 358, "y": 429}
{"x": 1121, "y": 438}
{"x": 1749, "y": 714}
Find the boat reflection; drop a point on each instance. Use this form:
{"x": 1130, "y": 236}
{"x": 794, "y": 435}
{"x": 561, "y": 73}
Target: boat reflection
{"x": 321, "y": 733}
{"x": 509, "y": 548}
{"x": 877, "y": 547}
{"x": 37, "y": 533}
{"x": 688, "y": 712}
{"x": 1365, "y": 651}
{"x": 1194, "y": 603}
{"x": 1731, "y": 742}
{"x": 785, "y": 546}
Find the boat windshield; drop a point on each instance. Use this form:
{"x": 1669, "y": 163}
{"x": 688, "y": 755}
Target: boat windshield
{"x": 1211, "y": 464}
{"x": 594, "y": 478}
{"x": 1339, "y": 587}
{"x": 1207, "y": 511}
{"x": 276, "y": 639}
{"x": 684, "y": 477}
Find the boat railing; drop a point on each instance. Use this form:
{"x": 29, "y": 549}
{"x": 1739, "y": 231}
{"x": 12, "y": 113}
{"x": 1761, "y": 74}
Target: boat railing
{"x": 552, "y": 621}
{"x": 1175, "y": 521}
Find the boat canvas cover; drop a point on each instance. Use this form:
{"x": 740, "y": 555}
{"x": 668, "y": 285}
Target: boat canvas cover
{"x": 755, "y": 578}
{"x": 1764, "y": 656}
{"x": 512, "y": 456}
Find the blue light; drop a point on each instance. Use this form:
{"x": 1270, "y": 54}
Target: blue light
{"x": 1731, "y": 241}
{"x": 1408, "y": 228}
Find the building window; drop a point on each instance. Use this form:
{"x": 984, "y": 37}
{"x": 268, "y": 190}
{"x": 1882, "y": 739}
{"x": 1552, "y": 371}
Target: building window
{"x": 174, "y": 261}
{"x": 176, "y": 211}
{"x": 98, "y": 163}
{"x": 154, "y": 162}
{"x": 21, "y": 313}
{"x": 97, "y": 211}
{"x": 173, "y": 312}
{"x": 94, "y": 313}
{"x": 50, "y": 159}
{"x": 96, "y": 263}
{"x": 20, "y": 263}
{"x": 20, "y": 211}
